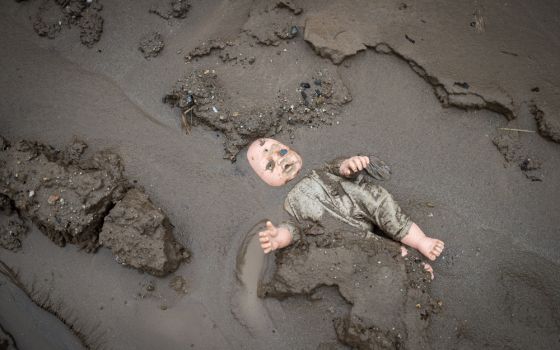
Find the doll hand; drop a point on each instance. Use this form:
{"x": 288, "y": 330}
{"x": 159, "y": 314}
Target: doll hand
{"x": 353, "y": 165}
{"x": 274, "y": 238}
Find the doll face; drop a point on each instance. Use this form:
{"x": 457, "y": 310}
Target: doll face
{"x": 274, "y": 162}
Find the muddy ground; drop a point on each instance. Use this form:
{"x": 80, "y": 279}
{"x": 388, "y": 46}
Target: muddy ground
{"x": 497, "y": 277}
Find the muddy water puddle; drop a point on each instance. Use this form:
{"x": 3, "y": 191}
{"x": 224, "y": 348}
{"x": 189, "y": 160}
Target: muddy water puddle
{"x": 251, "y": 263}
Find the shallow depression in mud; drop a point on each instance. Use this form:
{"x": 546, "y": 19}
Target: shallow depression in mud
{"x": 250, "y": 265}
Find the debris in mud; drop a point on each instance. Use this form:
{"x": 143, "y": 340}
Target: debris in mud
{"x": 510, "y": 147}
{"x": 53, "y": 15}
{"x": 382, "y": 287}
{"x": 12, "y": 228}
{"x": 548, "y": 128}
{"x": 329, "y": 38}
{"x": 478, "y": 21}
{"x": 178, "y": 284}
{"x": 205, "y": 48}
{"x": 269, "y": 22}
{"x": 140, "y": 235}
{"x": 409, "y": 39}
{"x": 202, "y": 100}
{"x": 72, "y": 199}
{"x": 151, "y": 44}
{"x": 462, "y": 84}
{"x": 173, "y": 9}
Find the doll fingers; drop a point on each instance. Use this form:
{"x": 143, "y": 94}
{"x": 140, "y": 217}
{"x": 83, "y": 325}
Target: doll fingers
{"x": 264, "y": 239}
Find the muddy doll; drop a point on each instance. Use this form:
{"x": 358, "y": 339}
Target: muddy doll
{"x": 333, "y": 190}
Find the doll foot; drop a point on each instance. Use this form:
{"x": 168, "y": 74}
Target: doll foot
{"x": 431, "y": 248}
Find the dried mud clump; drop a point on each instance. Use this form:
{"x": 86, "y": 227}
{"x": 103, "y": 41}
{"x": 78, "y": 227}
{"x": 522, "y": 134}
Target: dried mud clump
{"x": 270, "y": 22}
{"x": 72, "y": 199}
{"x": 151, "y": 44}
{"x": 205, "y": 48}
{"x": 53, "y": 15}
{"x": 389, "y": 294}
{"x": 140, "y": 236}
{"x": 67, "y": 201}
{"x": 202, "y": 100}
{"x": 12, "y": 228}
{"x": 173, "y": 9}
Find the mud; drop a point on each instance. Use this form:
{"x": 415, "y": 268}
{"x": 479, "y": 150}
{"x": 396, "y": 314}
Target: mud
{"x": 179, "y": 284}
{"x": 53, "y": 15}
{"x": 205, "y": 48}
{"x": 68, "y": 201}
{"x": 509, "y": 145}
{"x": 202, "y": 99}
{"x": 389, "y": 294}
{"x": 87, "y": 202}
{"x": 141, "y": 236}
{"x": 7, "y": 341}
{"x": 12, "y": 228}
{"x": 151, "y": 44}
{"x": 274, "y": 21}
{"x": 172, "y": 9}
{"x": 414, "y": 33}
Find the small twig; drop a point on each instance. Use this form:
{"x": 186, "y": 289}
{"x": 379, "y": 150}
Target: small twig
{"x": 520, "y": 130}
{"x": 186, "y": 124}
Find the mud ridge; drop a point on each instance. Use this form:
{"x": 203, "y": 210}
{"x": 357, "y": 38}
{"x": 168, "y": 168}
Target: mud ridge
{"x": 466, "y": 101}
{"x": 88, "y": 202}
{"x": 7, "y": 341}
{"x": 89, "y": 341}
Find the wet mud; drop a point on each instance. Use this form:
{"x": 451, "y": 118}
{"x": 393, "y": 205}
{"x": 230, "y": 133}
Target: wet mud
{"x": 12, "y": 227}
{"x": 7, "y": 341}
{"x": 509, "y": 145}
{"x": 171, "y": 9}
{"x": 141, "y": 236}
{"x": 87, "y": 202}
{"x": 151, "y": 44}
{"x": 54, "y": 15}
{"x": 202, "y": 100}
{"x": 274, "y": 21}
{"x": 389, "y": 294}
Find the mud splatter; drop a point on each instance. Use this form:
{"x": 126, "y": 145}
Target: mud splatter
{"x": 53, "y": 15}
{"x": 151, "y": 44}
{"x": 179, "y": 284}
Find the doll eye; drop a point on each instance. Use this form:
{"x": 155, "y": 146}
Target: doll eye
{"x": 270, "y": 165}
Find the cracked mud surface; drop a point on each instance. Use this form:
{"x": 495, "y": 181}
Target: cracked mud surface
{"x": 497, "y": 275}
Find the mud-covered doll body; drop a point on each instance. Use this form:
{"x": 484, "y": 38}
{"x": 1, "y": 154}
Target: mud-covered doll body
{"x": 336, "y": 190}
